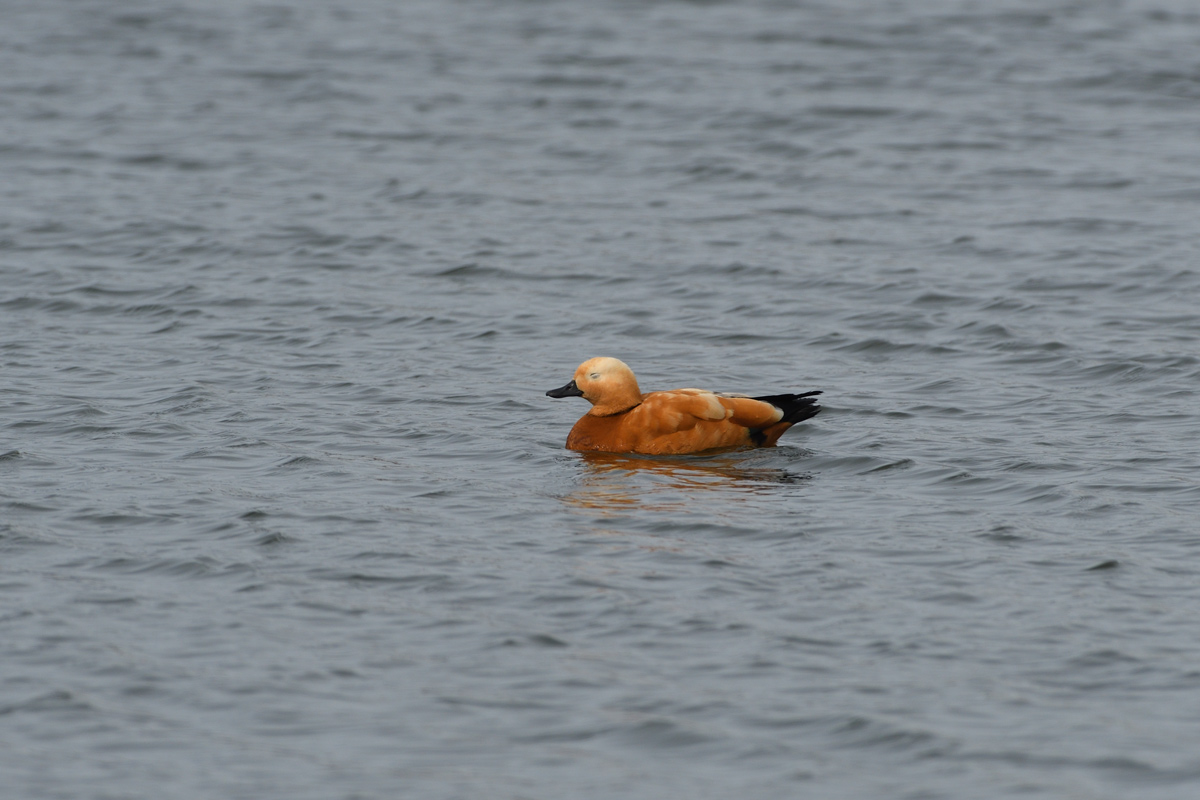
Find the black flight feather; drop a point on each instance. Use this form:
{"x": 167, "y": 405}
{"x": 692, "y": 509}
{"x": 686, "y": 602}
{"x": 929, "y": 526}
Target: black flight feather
{"x": 796, "y": 407}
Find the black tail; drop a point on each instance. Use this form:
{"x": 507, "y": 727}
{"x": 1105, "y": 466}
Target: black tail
{"x": 796, "y": 407}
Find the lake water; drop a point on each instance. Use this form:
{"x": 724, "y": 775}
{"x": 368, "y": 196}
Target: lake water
{"x": 284, "y": 511}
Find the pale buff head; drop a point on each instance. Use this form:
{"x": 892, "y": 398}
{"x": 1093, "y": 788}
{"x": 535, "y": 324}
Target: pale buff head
{"x": 607, "y": 383}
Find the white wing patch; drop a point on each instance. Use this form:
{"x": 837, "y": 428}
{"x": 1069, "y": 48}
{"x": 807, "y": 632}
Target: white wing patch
{"x": 716, "y": 410}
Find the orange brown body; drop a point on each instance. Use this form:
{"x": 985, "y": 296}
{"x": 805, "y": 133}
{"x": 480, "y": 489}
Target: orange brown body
{"x": 673, "y": 422}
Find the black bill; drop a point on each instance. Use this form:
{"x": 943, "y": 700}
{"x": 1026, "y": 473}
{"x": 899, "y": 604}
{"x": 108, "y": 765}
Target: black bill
{"x": 570, "y": 390}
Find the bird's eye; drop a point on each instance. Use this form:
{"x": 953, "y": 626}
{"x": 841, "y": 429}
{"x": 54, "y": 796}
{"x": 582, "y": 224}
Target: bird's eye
{"x": 595, "y": 376}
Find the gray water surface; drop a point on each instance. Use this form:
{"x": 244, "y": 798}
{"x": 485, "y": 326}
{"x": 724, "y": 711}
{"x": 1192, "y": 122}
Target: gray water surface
{"x": 284, "y": 511}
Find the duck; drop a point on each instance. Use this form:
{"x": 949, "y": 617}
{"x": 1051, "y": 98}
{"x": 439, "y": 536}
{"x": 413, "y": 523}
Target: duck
{"x": 676, "y": 421}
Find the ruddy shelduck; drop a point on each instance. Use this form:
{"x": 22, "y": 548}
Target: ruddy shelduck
{"x": 676, "y": 421}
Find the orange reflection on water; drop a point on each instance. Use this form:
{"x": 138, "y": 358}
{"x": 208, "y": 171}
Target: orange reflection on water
{"x": 616, "y": 483}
